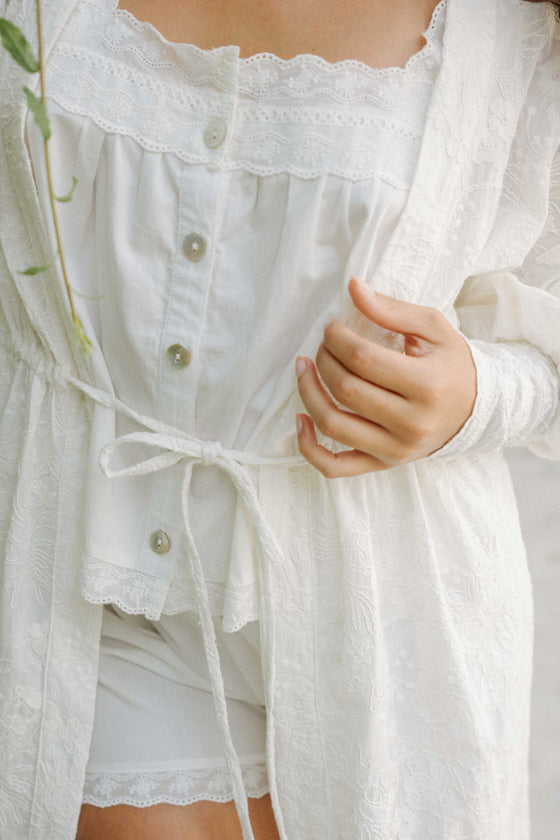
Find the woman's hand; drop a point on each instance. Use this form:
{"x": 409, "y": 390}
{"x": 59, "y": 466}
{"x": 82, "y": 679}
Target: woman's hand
{"x": 402, "y": 406}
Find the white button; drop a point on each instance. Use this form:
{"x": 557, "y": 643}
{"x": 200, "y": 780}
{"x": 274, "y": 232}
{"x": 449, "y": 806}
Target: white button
{"x": 194, "y": 246}
{"x": 159, "y": 542}
{"x": 214, "y": 133}
{"x": 177, "y": 356}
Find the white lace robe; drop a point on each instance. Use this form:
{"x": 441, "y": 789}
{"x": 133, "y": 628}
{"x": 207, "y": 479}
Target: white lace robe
{"x": 396, "y": 648}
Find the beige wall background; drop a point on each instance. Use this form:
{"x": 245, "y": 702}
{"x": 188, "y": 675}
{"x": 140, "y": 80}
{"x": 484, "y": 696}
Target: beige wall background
{"x": 537, "y": 484}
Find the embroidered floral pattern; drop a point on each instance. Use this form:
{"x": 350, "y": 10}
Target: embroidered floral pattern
{"x": 118, "y": 72}
{"x": 420, "y": 625}
{"x": 180, "y": 787}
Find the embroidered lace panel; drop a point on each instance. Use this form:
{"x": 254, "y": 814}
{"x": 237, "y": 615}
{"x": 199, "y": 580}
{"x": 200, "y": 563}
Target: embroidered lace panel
{"x": 176, "y": 787}
{"x": 302, "y": 115}
{"x": 136, "y": 592}
{"x": 151, "y": 33}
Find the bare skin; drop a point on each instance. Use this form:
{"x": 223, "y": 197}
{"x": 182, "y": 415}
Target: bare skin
{"x": 403, "y": 406}
{"x": 200, "y": 821}
{"x": 385, "y": 33}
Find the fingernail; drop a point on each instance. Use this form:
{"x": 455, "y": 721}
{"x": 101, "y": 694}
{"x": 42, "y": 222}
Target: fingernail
{"x": 300, "y": 366}
{"x": 299, "y": 424}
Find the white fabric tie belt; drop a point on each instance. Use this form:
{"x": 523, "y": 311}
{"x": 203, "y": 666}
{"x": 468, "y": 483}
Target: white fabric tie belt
{"x": 181, "y": 446}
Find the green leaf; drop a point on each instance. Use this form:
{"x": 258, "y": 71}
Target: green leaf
{"x": 68, "y": 196}
{"x": 37, "y": 108}
{"x": 88, "y": 297}
{"x": 17, "y": 45}
{"x": 36, "y": 269}
{"x": 80, "y": 339}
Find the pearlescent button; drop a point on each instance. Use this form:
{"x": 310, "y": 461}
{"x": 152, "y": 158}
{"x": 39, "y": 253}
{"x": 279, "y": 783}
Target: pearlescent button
{"x": 178, "y": 357}
{"x": 194, "y": 246}
{"x": 159, "y": 542}
{"x": 214, "y": 133}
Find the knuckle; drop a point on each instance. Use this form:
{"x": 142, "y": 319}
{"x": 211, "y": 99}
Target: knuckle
{"x": 435, "y": 392}
{"x": 326, "y": 423}
{"x": 328, "y": 471}
{"x": 393, "y": 305}
{"x": 419, "y": 433}
{"x": 359, "y": 358}
{"x": 400, "y": 454}
{"x": 434, "y": 317}
{"x": 343, "y": 390}
{"x": 433, "y": 387}
{"x": 391, "y": 455}
{"x": 422, "y": 440}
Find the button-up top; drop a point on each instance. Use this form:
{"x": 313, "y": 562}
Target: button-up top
{"x": 224, "y": 204}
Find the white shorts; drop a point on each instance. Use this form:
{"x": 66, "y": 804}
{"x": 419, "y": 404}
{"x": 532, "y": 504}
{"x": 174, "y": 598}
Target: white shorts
{"x": 155, "y": 736}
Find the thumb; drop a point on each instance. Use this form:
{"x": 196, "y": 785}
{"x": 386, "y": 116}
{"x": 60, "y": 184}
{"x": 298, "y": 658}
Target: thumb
{"x": 397, "y": 315}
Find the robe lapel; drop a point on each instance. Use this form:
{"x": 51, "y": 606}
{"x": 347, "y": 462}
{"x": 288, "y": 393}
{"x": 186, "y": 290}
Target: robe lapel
{"x": 457, "y": 114}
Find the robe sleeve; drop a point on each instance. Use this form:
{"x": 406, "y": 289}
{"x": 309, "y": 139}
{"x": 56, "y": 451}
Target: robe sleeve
{"x": 511, "y": 321}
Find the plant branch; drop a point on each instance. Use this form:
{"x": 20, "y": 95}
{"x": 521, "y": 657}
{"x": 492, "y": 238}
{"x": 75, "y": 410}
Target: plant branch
{"x": 78, "y": 330}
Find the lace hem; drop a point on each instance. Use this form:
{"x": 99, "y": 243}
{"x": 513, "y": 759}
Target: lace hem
{"x": 176, "y": 787}
{"x": 136, "y": 592}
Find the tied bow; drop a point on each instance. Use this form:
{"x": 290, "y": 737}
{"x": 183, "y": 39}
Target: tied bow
{"x": 180, "y": 446}
{"x": 211, "y": 454}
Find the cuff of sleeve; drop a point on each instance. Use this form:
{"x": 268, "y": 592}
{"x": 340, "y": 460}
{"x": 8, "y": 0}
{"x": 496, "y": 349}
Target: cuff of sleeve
{"x": 517, "y": 391}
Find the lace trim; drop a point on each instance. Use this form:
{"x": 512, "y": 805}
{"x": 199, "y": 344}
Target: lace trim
{"x": 136, "y": 592}
{"x": 72, "y": 76}
{"x": 306, "y": 60}
{"x": 313, "y": 117}
{"x": 307, "y": 142}
{"x": 179, "y": 787}
{"x": 115, "y": 32}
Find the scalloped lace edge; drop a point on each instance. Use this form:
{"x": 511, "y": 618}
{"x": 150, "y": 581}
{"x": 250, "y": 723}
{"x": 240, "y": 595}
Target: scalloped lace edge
{"x": 175, "y": 787}
{"x": 137, "y": 592}
{"x": 302, "y": 58}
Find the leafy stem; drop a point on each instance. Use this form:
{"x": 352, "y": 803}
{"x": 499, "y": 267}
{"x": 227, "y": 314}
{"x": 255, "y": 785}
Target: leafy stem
{"x": 79, "y": 334}
{"x": 19, "y": 48}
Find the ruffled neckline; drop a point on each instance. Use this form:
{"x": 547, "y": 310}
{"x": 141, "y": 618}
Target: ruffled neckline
{"x": 306, "y": 61}
{"x": 303, "y": 114}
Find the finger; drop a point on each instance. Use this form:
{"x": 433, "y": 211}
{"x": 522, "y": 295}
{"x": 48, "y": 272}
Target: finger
{"x": 399, "y": 315}
{"x": 366, "y": 399}
{"x": 379, "y": 365}
{"x": 334, "y": 464}
{"x": 342, "y": 426}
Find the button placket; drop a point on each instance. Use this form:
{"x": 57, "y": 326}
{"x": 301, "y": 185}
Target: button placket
{"x": 201, "y": 202}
